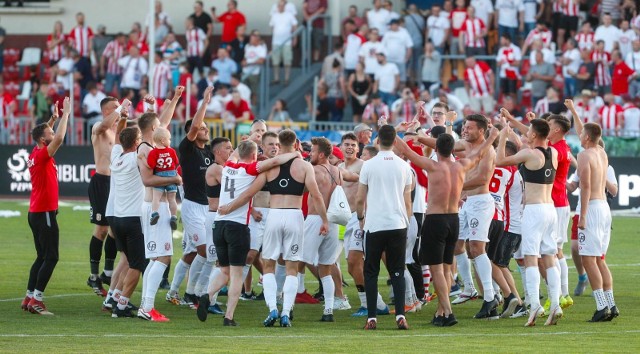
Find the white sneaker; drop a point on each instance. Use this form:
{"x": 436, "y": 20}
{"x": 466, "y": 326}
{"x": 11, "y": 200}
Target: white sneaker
{"x": 555, "y": 315}
{"x": 341, "y": 304}
{"x": 144, "y": 314}
{"x": 533, "y": 316}
{"x": 462, "y": 298}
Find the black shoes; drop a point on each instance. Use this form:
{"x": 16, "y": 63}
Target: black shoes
{"x": 229, "y": 323}
{"x": 601, "y": 315}
{"x": 488, "y": 311}
{"x": 327, "y": 318}
{"x": 117, "y": 313}
{"x": 442, "y": 321}
{"x": 202, "y": 310}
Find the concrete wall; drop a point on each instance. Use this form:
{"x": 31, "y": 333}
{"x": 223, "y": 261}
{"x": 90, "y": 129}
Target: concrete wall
{"x": 118, "y": 15}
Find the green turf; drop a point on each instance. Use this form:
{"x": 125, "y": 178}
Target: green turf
{"x": 80, "y": 326}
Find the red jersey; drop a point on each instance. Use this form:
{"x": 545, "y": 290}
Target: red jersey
{"x": 79, "y": 38}
{"x": 163, "y": 159}
{"x": 478, "y": 78}
{"x": 44, "y": 181}
{"x": 457, "y": 17}
{"x": 238, "y": 110}
{"x": 620, "y": 79}
{"x": 231, "y": 21}
{"x": 142, "y": 46}
{"x": 472, "y": 30}
{"x": 559, "y": 191}
{"x": 610, "y": 116}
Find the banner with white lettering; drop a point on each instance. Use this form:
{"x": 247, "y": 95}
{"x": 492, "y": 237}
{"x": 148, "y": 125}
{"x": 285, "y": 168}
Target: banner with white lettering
{"x": 74, "y": 164}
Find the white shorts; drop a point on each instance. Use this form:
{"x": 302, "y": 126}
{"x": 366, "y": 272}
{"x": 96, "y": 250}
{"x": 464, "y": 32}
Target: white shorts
{"x": 257, "y": 228}
{"x": 475, "y": 217}
{"x": 157, "y": 238}
{"x": 283, "y": 235}
{"x": 412, "y": 237}
{"x": 319, "y": 249}
{"x": 594, "y": 239}
{"x": 353, "y": 241}
{"x": 212, "y": 255}
{"x": 563, "y": 214}
{"x": 194, "y": 217}
{"x": 538, "y": 230}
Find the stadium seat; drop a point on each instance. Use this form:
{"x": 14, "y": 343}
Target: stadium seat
{"x": 30, "y": 56}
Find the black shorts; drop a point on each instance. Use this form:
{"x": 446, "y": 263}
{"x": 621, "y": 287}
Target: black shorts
{"x": 570, "y": 23}
{"x": 46, "y": 234}
{"x": 439, "y": 237}
{"x": 496, "y": 230}
{"x": 119, "y": 246}
{"x": 509, "y": 244}
{"x": 232, "y": 241}
{"x": 508, "y": 86}
{"x": 128, "y": 232}
{"x": 98, "y": 195}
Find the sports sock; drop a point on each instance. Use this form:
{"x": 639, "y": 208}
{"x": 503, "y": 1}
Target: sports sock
{"x": 523, "y": 276}
{"x": 553, "y": 283}
{"x": 289, "y": 290}
{"x": 145, "y": 281}
{"x": 178, "y": 275}
{"x": 380, "y": 304}
{"x": 329, "y": 292}
{"x": 281, "y": 275}
{"x": 116, "y": 294}
{"x": 269, "y": 287}
{"x": 38, "y": 295}
{"x": 110, "y": 252}
{"x": 483, "y": 267}
{"x": 533, "y": 287}
{"x": 609, "y": 296}
{"x": 153, "y": 282}
{"x": 464, "y": 269}
{"x": 408, "y": 290}
{"x": 194, "y": 273}
{"x": 301, "y": 287}
{"x": 564, "y": 277}
{"x": 362, "y": 295}
{"x": 123, "y": 302}
{"x": 29, "y": 294}
{"x": 601, "y": 299}
{"x": 95, "y": 253}
{"x": 426, "y": 278}
{"x": 203, "y": 279}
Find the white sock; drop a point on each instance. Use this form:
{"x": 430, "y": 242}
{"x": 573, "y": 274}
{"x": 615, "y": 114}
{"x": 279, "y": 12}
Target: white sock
{"x": 553, "y": 283}
{"x": 533, "y": 287}
{"x": 408, "y": 292}
{"x": 564, "y": 276}
{"x": 116, "y": 294}
{"x": 153, "y": 282}
{"x": 108, "y": 272}
{"x": 523, "y": 276}
{"x": 281, "y": 275}
{"x": 122, "y": 303}
{"x": 38, "y": 295}
{"x": 483, "y": 267}
{"x": 363, "y": 298}
{"x": 609, "y": 296}
{"x": 601, "y": 299}
{"x": 380, "y": 305}
{"x": 464, "y": 269}
{"x": 179, "y": 272}
{"x": 145, "y": 280}
{"x": 329, "y": 290}
{"x": 301, "y": 287}
{"x": 202, "y": 285}
{"x": 194, "y": 273}
{"x": 496, "y": 287}
{"x": 289, "y": 290}
{"x": 245, "y": 272}
{"x": 269, "y": 287}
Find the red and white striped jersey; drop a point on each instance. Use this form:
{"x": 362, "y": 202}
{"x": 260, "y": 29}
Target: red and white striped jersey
{"x": 113, "y": 51}
{"x": 514, "y": 203}
{"x": 478, "y": 78}
{"x": 610, "y": 115}
{"x": 585, "y": 40}
{"x": 161, "y": 77}
{"x": 236, "y": 178}
{"x": 587, "y": 112}
{"x": 79, "y": 39}
{"x": 195, "y": 42}
{"x": 472, "y": 30}
{"x": 502, "y": 177}
{"x": 602, "y": 60}
{"x": 570, "y": 8}
{"x": 558, "y": 6}
{"x": 544, "y": 36}
{"x": 56, "y": 53}
{"x": 509, "y": 56}
{"x": 542, "y": 107}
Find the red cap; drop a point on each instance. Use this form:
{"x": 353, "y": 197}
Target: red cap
{"x": 338, "y": 153}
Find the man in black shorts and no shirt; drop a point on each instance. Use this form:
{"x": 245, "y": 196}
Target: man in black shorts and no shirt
{"x": 440, "y": 229}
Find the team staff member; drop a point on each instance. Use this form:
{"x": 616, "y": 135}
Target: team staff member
{"x": 43, "y": 207}
{"x": 385, "y": 184}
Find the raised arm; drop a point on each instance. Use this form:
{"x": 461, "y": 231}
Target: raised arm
{"x": 475, "y": 157}
{"x": 54, "y": 116}
{"x": 420, "y": 161}
{"x": 58, "y": 138}
{"x": 168, "y": 111}
{"x": 501, "y": 159}
{"x": 577, "y": 122}
{"x": 516, "y": 124}
{"x": 108, "y": 121}
{"x": 199, "y": 117}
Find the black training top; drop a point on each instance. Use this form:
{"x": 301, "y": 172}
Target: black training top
{"x": 194, "y": 162}
{"x": 212, "y": 191}
{"x": 284, "y": 184}
{"x": 544, "y": 175}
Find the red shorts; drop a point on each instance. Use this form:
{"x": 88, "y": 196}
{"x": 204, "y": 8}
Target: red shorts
{"x": 574, "y": 227}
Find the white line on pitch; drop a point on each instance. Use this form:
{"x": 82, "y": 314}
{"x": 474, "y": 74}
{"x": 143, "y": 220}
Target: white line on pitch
{"x": 50, "y": 297}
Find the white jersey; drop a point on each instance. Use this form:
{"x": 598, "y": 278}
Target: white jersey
{"x": 502, "y": 177}
{"x": 236, "y": 178}
{"x": 514, "y": 204}
{"x": 127, "y": 183}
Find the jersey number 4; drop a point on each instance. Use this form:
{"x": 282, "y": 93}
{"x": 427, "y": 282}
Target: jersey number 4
{"x": 230, "y": 186}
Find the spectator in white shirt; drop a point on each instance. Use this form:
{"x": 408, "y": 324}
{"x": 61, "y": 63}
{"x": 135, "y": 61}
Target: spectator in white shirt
{"x": 64, "y": 70}
{"x": 431, "y": 66}
{"x": 378, "y": 17}
{"x": 255, "y": 53}
{"x": 288, "y": 7}
{"x": 398, "y": 45}
{"x": 437, "y": 28}
{"x": 387, "y": 79}
{"x": 509, "y": 17}
{"x": 533, "y": 10}
{"x": 353, "y": 42}
{"x": 244, "y": 90}
{"x": 631, "y": 117}
{"x": 134, "y": 68}
{"x": 415, "y": 25}
{"x": 547, "y": 54}
{"x": 283, "y": 24}
{"x": 633, "y": 61}
{"x": 570, "y": 61}
{"x": 368, "y": 52}
{"x": 392, "y": 14}
{"x": 484, "y": 11}
{"x": 91, "y": 110}
{"x": 627, "y": 35}
{"x": 609, "y": 33}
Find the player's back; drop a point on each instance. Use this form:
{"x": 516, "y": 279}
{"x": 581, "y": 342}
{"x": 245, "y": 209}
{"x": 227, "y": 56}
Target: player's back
{"x": 236, "y": 179}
